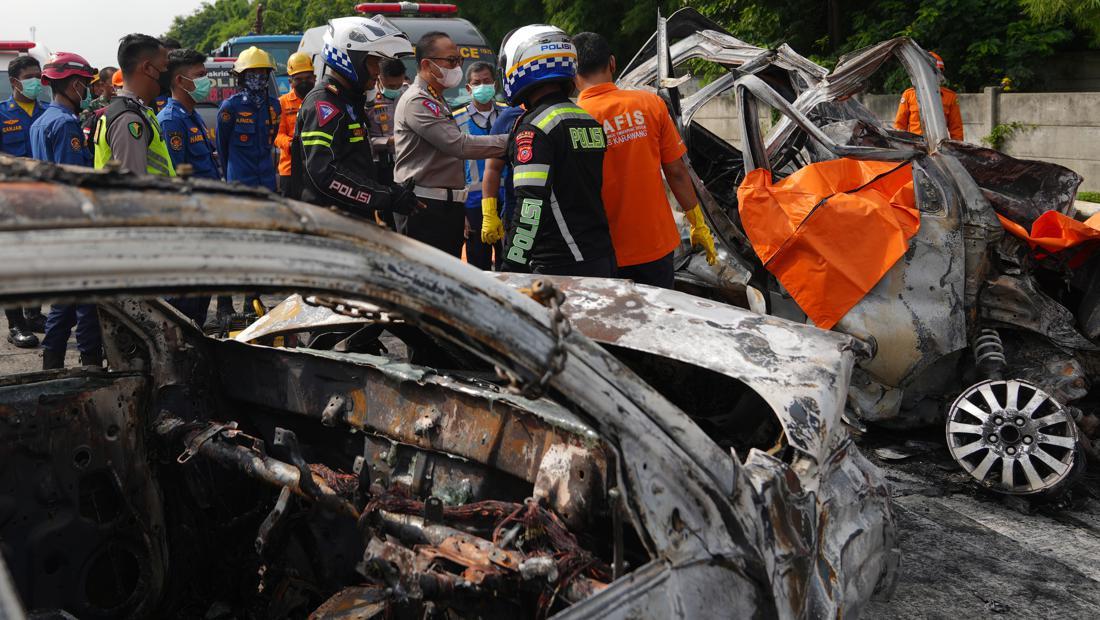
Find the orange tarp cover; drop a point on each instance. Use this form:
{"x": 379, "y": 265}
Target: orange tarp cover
{"x": 1053, "y": 232}
{"x": 830, "y": 231}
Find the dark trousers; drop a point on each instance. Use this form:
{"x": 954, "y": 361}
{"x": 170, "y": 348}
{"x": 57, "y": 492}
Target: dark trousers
{"x": 660, "y": 273}
{"x": 594, "y": 268}
{"x": 478, "y": 253}
{"x": 194, "y": 308}
{"x": 15, "y": 318}
{"x": 59, "y": 326}
{"x": 284, "y": 184}
{"x": 441, "y": 225}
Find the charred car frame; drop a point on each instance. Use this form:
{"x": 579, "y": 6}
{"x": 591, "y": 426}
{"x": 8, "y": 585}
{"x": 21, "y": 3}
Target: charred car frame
{"x": 525, "y": 471}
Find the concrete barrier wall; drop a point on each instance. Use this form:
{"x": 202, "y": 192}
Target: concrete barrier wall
{"x": 1062, "y": 128}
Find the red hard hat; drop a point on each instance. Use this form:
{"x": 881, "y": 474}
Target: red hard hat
{"x": 64, "y": 64}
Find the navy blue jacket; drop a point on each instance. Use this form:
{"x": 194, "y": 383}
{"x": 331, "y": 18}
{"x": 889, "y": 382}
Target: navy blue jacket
{"x": 15, "y": 127}
{"x": 58, "y": 137}
{"x": 246, "y": 135}
{"x": 189, "y": 141}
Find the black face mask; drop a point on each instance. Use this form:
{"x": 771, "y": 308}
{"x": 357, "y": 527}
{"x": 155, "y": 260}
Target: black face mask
{"x": 302, "y": 89}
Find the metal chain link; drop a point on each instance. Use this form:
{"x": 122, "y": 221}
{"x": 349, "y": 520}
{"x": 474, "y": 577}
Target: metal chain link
{"x": 548, "y": 295}
{"x": 347, "y": 307}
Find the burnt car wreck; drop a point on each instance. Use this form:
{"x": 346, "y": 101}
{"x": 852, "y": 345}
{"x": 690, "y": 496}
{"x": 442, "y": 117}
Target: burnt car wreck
{"x": 465, "y": 450}
{"x": 970, "y": 328}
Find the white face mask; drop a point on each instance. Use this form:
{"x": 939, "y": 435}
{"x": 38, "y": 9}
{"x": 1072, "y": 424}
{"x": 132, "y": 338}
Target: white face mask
{"x": 450, "y": 77}
{"x": 371, "y": 93}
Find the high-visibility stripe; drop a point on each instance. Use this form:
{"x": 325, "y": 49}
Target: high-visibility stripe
{"x": 354, "y": 125}
{"x": 556, "y": 114}
{"x": 566, "y": 235}
{"x": 356, "y": 139}
{"x": 316, "y": 134}
{"x": 315, "y": 142}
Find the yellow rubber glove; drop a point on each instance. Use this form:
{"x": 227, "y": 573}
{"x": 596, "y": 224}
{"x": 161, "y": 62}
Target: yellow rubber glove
{"x": 492, "y": 229}
{"x": 700, "y": 234}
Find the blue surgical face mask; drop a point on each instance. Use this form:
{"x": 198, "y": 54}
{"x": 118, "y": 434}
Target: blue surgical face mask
{"x": 484, "y": 93}
{"x": 32, "y": 87}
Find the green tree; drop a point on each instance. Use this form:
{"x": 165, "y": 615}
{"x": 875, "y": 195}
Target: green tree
{"x": 1084, "y": 14}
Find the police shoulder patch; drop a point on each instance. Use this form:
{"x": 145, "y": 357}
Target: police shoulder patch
{"x": 433, "y": 106}
{"x": 326, "y": 112}
{"x": 136, "y": 129}
{"x": 175, "y": 140}
{"x": 75, "y": 144}
{"x": 524, "y": 146}
{"x": 226, "y": 116}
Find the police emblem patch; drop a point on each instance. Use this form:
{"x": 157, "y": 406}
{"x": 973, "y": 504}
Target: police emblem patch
{"x": 136, "y": 129}
{"x": 226, "y": 116}
{"x": 75, "y": 144}
{"x": 244, "y": 137}
{"x": 326, "y": 112}
{"x": 433, "y": 106}
{"x": 175, "y": 140}
{"x": 524, "y": 149}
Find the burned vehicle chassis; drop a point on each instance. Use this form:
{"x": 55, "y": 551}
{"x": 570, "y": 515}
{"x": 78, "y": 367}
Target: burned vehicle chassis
{"x": 967, "y": 321}
{"x": 500, "y": 482}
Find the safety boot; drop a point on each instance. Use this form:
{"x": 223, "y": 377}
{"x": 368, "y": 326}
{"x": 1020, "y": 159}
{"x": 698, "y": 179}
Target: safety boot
{"x": 22, "y": 337}
{"x": 36, "y": 321}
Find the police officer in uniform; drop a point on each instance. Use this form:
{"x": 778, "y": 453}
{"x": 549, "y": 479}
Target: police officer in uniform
{"x": 248, "y": 122}
{"x": 16, "y": 116}
{"x": 57, "y": 137}
{"x": 430, "y": 147}
{"x": 380, "y": 116}
{"x": 556, "y": 153}
{"x": 189, "y": 140}
{"x": 128, "y": 131}
{"x": 331, "y": 159}
{"x": 477, "y": 119}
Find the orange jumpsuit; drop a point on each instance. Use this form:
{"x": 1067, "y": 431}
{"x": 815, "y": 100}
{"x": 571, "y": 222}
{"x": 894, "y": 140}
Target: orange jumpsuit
{"x": 908, "y": 116}
{"x": 291, "y": 103}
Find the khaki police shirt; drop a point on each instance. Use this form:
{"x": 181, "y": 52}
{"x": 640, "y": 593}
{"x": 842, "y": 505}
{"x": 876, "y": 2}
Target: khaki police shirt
{"x": 380, "y": 122}
{"x": 130, "y": 150}
{"x": 430, "y": 146}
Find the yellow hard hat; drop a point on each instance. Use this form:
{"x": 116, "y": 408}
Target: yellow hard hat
{"x": 253, "y": 58}
{"x": 299, "y": 62}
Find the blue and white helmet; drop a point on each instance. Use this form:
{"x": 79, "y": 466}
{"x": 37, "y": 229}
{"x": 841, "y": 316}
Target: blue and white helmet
{"x": 533, "y": 55}
{"x": 349, "y": 40}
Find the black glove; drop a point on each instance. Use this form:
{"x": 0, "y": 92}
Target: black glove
{"x": 402, "y": 198}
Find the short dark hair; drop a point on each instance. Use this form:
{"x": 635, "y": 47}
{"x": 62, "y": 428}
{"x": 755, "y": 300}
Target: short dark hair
{"x": 180, "y": 59}
{"x": 170, "y": 43}
{"x": 134, "y": 48}
{"x": 393, "y": 68}
{"x": 21, "y": 64}
{"x": 478, "y": 67}
{"x": 593, "y": 53}
{"x": 106, "y": 73}
{"x": 425, "y": 47}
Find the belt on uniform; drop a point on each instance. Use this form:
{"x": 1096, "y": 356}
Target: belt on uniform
{"x": 440, "y": 193}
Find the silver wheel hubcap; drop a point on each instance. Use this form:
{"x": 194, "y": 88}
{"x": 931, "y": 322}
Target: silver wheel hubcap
{"x": 1012, "y": 437}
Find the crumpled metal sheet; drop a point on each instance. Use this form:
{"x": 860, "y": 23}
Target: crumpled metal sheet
{"x": 1019, "y": 189}
{"x": 293, "y": 312}
{"x": 799, "y": 370}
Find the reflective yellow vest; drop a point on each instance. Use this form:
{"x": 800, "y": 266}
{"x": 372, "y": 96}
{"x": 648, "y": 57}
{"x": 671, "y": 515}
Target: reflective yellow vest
{"x": 157, "y": 160}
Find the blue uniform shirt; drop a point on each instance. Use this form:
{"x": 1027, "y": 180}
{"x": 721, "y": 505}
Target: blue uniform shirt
{"x": 189, "y": 141}
{"x": 246, "y": 135}
{"x": 15, "y": 127}
{"x": 475, "y": 168}
{"x": 506, "y": 120}
{"x": 58, "y": 137}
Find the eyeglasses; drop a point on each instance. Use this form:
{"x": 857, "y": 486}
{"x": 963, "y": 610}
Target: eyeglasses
{"x": 451, "y": 60}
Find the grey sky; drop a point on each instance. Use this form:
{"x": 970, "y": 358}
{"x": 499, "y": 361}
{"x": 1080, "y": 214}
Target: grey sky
{"x": 89, "y": 28}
